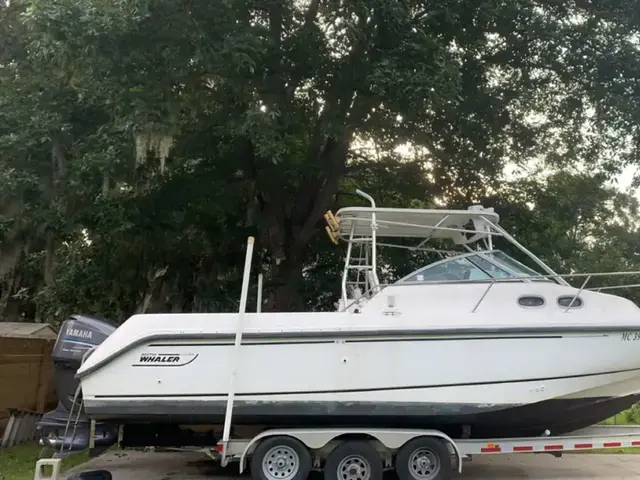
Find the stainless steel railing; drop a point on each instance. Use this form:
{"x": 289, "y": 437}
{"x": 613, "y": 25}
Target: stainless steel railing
{"x": 493, "y": 281}
{"x": 587, "y": 276}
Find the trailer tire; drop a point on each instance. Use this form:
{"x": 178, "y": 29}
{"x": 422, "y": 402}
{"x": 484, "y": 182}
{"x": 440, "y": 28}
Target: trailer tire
{"x": 424, "y": 458}
{"x": 353, "y": 460}
{"x": 280, "y": 458}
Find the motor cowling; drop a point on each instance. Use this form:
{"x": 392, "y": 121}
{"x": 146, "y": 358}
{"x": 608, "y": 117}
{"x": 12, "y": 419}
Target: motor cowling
{"x": 78, "y": 335}
{"x": 57, "y": 428}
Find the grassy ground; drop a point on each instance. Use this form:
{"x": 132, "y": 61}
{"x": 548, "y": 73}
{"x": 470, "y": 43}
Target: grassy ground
{"x": 620, "y": 419}
{"x": 609, "y": 451}
{"x": 628, "y": 417}
{"x": 19, "y": 462}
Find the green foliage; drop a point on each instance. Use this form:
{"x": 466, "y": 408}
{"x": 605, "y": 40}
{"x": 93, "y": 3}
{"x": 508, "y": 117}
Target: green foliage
{"x": 576, "y": 224}
{"x": 18, "y": 462}
{"x": 632, "y": 415}
{"x": 142, "y": 141}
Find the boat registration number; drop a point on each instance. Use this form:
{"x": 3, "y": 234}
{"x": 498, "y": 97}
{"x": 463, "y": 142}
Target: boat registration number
{"x": 631, "y": 337}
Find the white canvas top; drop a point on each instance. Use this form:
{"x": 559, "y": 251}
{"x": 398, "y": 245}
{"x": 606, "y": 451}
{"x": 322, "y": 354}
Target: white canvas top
{"x": 412, "y": 223}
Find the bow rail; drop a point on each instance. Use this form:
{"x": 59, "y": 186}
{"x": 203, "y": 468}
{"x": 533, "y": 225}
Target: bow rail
{"x": 491, "y": 282}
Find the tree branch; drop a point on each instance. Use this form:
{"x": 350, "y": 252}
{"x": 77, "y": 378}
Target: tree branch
{"x": 335, "y": 155}
{"x": 311, "y": 14}
{"x": 338, "y": 105}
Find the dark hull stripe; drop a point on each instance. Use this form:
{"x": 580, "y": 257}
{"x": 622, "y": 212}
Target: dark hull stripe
{"x": 388, "y": 335}
{"x": 496, "y": 421}
{"x": 378, "y": 389}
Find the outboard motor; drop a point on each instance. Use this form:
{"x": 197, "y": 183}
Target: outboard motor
{"x": 77, "y": 336}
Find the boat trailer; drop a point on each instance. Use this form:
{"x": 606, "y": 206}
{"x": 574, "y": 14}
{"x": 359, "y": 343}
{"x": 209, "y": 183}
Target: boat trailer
{"x": 351, "y": 453}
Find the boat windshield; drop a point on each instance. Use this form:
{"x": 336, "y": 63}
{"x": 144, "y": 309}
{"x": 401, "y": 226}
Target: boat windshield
{"x": 488, "y": 265}
{"x": 499, "y": 257}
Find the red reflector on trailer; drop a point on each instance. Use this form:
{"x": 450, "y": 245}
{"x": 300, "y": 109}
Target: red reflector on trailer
{"x": 219, "y": 448}
{"x": 523, "y": 448}
{"x": 490, "y": 450}
{"x": 584, "y": 445}
{"x": 553, "y": 447}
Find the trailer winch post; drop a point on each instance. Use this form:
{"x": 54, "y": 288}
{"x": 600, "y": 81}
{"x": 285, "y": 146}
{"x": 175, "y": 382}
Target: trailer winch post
{"x": 226, "y": 433}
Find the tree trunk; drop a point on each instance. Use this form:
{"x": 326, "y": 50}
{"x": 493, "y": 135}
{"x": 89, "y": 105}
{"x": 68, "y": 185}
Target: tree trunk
{"x": 10, "y": 255}
{"x": 54, "y": 188}
{"x": 13, "y": 246}
{"x": 286, "y": 295}
{"x": 154, "y": 299}
{"x": 7, "y": 290}
{"x": 50, "y": 259}
{"x": 285, "y": 250}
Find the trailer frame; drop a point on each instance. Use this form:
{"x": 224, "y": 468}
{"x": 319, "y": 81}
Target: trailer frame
{"x": 387, "y": 441}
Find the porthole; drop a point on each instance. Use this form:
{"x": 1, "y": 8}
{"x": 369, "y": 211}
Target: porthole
{"x": 568, "y": 299}
{"x": 531, "y": 301}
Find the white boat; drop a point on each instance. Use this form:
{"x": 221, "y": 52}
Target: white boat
{"x": 476, "y": 344}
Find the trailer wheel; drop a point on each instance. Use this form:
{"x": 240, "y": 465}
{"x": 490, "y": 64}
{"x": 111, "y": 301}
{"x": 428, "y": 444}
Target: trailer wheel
{"x": 281, "y": 458}
{"x": 424, "y": 458}
{"x": 353, "y": 460}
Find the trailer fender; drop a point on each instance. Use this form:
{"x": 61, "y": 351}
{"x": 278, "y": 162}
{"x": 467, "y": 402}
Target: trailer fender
{"x": 316, "y": 438}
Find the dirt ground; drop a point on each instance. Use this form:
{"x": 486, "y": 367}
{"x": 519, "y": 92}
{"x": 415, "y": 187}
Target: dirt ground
{"x": 134, "y": 465}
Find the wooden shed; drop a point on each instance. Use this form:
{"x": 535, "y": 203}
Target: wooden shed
{"x": 26, "y": 380}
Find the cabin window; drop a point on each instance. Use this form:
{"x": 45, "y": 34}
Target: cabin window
{"x": 492, "y": 269}
{"x": 453, "y": 270}
{"x": 568, "y": 299}
{"x": 531, "y": 301}
{"x": 475, "y": 266}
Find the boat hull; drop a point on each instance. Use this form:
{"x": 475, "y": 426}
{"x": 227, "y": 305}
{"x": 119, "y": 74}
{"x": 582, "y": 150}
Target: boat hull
{"x": 485, "y": 398}
{"x": 499, "y": 382}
